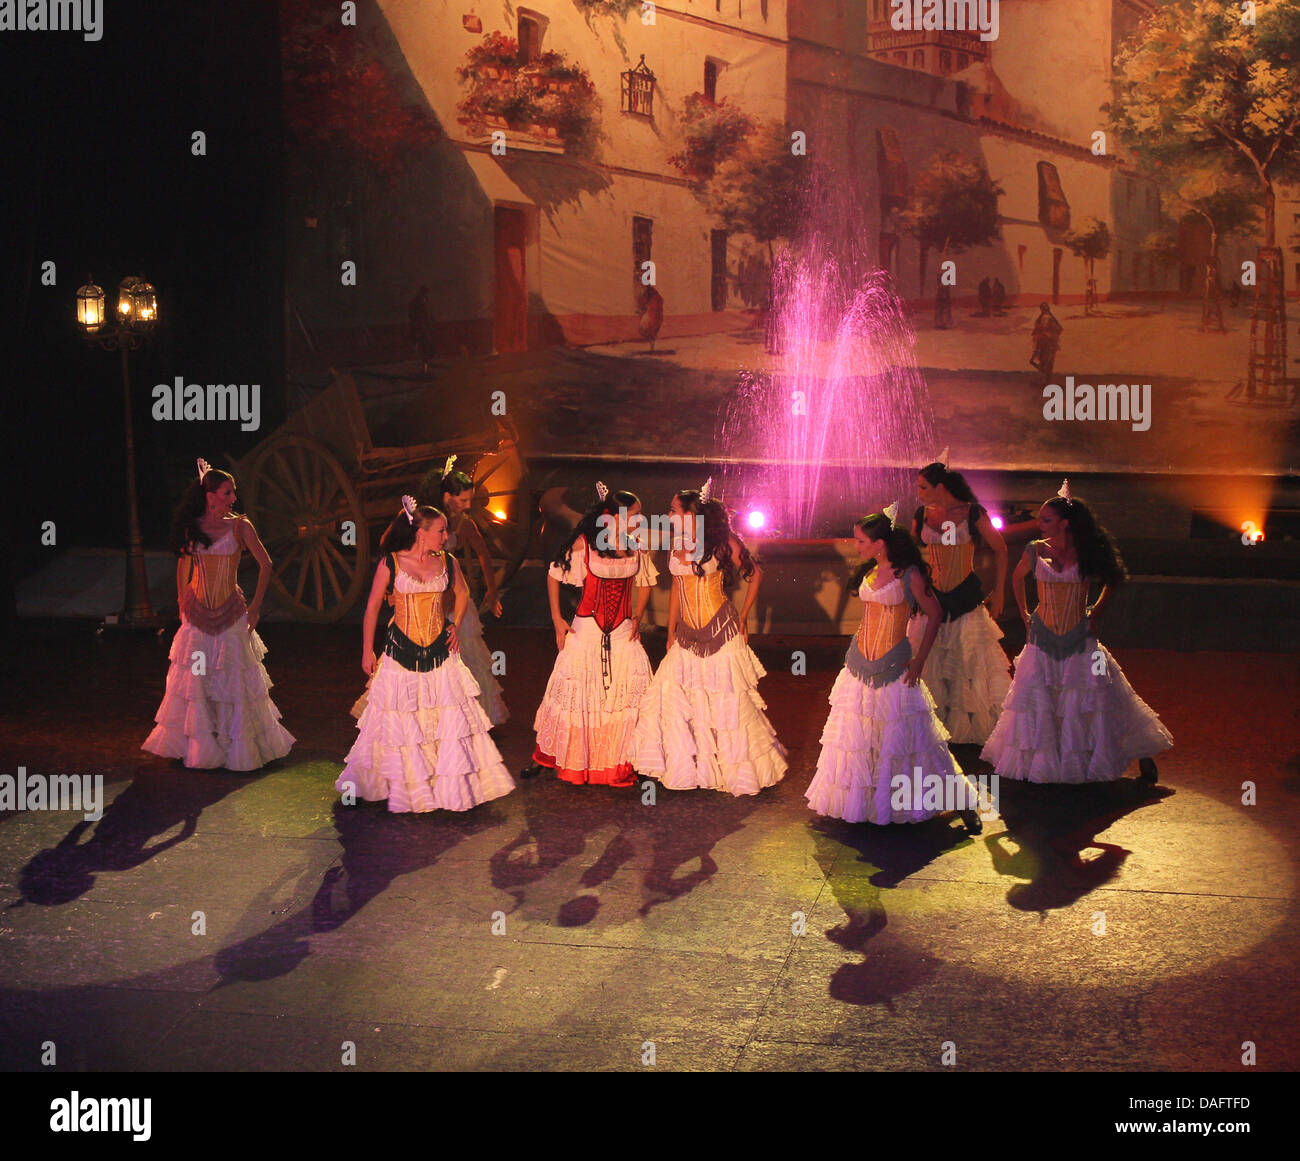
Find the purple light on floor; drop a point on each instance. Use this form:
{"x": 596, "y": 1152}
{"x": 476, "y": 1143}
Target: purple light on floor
{"x": 756, "y": 520}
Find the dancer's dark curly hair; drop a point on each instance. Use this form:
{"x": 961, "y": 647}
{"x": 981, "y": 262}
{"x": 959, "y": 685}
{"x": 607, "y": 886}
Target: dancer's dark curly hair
{"x": 589, "y": 526}
{"x": 904, "y": 552}
{"x": 434, "y": 485}
{"x": 715, "y": 525}
{"x": 935, "y": 474}
{"x": 1099, "y": 559}
{"x": 186, "y": 533}
{"x": 400, "y": 534}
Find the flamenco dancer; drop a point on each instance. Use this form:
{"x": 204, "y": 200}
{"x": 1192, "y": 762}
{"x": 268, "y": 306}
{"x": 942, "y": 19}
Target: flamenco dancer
{"x": 1071, "y": 715}
{"x": 884, "y": 754}
{"x": 967, "y": 672}
{"x": 702, "y": 723}
{"x": 422, "y": 737}
{"x": 453, "y": 492}
{"x": 586, "y": 724}
{"x": 221, "y": 716}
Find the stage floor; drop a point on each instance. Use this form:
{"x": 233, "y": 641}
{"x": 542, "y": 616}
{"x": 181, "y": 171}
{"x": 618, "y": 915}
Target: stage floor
{"x": 626, "y": 923}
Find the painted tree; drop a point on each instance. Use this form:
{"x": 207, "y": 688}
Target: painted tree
{"x": 1207, "y": 80}
{"x": 755, "y": 191}
{"x": 1162, "y": 248}
{"x": 342, "y": 98}
{"x": 1226, "y": 203}
{"x": 712, "y": 132}
{"x": 954, "y": 206}
{"x": 1089, "y": 240}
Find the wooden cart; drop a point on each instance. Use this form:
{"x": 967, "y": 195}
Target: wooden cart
{"x": 317, "y": 489}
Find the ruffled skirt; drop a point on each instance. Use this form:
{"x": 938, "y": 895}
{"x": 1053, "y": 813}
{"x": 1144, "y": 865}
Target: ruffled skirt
{"x": 474, "y": 652}
{"x": 702, "y": 724}
{"x": 885, "y": 756}
{"x": 1073, "y": 720}
{"x": 223, "y": 715}
{"x": 422, "y": 742}
{"x": 585, "y": 731}
{"x": 967, "y": 673}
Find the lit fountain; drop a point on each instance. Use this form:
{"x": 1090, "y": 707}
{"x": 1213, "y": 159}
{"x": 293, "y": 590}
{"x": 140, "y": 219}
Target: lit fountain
{"x": 834, "y": 428}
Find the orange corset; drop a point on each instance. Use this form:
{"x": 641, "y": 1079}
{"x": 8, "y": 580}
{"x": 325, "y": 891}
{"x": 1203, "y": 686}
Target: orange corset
{"x": 950, "y": 564}
{"x": 418, "y": 615}
{"x": 1062, "y": 604}
{"x": 213, "y": 578}
{"x": 883, "y": 627}
{"x": 701, "y": 597}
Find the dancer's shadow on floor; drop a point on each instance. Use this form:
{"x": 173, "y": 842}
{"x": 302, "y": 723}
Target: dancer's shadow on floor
{"x": 1053, "y": 829}
{"x": 153, "y": 804}
{"x": 378, "y": 847}
{"x": 681, "y": 827}
{"x": 885, "y": 857}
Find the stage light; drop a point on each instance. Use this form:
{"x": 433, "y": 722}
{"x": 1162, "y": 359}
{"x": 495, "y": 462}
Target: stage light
{"x": 998, "y": 522}
{"x": 498, "y": 513}
{"x": 1251, "y": 533}
{"x": 756, "y": 519}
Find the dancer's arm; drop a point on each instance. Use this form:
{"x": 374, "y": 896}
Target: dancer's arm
{"x": 183, "y": 565}
{"x": 562, "y": 628}
{"x": 490, "y": 603}
{"x": 751, "y": 590}
{"x": 377, "y": 592}
{"x": 674, "y": 612}
{"x": 929, "y": 605}
{"x": 646, "y": 572}
{"x": 1097, "y": 605}
{"x": 993, "y": 538}
{"x": 254, "y": 545}
{"x": 1018, "y": 584}
{"x": 462, "y": 605}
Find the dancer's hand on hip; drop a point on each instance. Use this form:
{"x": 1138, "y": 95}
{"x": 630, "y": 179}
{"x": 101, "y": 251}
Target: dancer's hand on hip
{"x": 453, "y": 637}
{"x": 913, "y": 672}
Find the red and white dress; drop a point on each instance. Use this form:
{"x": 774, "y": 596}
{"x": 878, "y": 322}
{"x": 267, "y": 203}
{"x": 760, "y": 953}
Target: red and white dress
{"x": 586, "y": 724}
{"x": 702, "y": 724}
{"x": 1071, "y": 714}
{"x": 217, "y": 709}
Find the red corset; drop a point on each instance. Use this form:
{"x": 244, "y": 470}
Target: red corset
{"x": 607, "y": 599}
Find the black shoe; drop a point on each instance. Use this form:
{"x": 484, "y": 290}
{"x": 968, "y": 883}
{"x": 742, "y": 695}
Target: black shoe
{"x": 1147, "y": 770}
{"x": 531, "y": 771}
{"x": 972, "y": 820}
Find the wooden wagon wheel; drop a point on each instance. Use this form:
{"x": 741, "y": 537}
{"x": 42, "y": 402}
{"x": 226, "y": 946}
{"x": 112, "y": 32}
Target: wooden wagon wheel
{"x": 502, "y": 506}
{"x": 299, "y": 498}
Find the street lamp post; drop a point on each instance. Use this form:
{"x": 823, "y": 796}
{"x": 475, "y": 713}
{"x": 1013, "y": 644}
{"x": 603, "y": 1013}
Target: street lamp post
{"x": 137, "y": 314}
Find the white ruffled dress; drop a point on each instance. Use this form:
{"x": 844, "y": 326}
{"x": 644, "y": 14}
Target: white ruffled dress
{"x": 217, "y": 710}
{"x": 586, "y": 728}
{"x": 885, "y": 744}
{"x": 966, "y": 671}
{"x": 422, "y": 738}
{"x": 474, "y": 652}
{"x": 1075, "y": 719}
{"x": 702, "y": 723}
